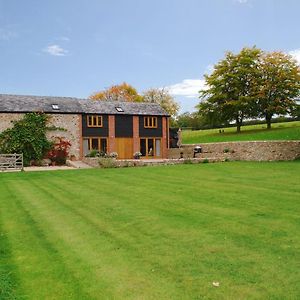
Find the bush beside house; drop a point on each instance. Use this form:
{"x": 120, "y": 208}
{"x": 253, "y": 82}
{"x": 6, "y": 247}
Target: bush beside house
{"x": 28, "y": 136}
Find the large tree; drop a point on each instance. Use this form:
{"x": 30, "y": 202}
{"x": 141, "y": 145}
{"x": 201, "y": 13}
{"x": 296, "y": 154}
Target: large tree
{"x": 120, "y": 92}
{"x": 163, "y": 98}
{"x": 279, "y": 85}
{"x": 232, "y": 87}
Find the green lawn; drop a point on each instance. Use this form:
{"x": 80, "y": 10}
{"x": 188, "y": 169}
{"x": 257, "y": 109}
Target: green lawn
{"x": 279, "y": 131}
{"x": 152, "y": 232}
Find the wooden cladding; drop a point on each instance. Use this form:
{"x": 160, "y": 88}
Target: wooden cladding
{"x": 94, "y": 121}
{"x": 150, "y": 122}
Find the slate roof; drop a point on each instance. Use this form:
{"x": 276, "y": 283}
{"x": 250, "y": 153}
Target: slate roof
{"x": 22, "y": 104}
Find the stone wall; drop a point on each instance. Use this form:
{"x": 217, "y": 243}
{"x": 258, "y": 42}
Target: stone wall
{"x": 69, "y": 122}
{"x": 72, "y": 131}
{"x": 255, "y": 151}
{"x": 6, "y": 120}
{"x": 122, "y": 163}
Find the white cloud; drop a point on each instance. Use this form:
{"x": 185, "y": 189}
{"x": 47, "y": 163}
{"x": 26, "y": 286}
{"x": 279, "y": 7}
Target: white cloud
{"x": 296, "y": 55}
{"x": 56, "y": 50}
{"x": 6, "y": 34}
{"x": 187, "y": 88}
{"x": 64, "y": 39}
{"x": 242, "y": 1}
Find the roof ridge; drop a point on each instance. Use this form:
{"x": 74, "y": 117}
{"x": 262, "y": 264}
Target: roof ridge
{"x": 26, "y": 103}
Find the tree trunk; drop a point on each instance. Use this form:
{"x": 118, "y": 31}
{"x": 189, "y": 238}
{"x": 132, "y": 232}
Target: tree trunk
{"x": 238, "y": 125}
{"x": 269, "y": 121}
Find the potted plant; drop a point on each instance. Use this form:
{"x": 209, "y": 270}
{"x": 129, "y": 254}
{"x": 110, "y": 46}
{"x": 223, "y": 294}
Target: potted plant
{"x": 113, "y": 155}
{"x": 137, "y": 155}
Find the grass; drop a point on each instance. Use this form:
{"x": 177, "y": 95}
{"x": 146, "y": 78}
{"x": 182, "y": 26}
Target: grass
{"x": 279, "y": 131}
{"x": 152, "y": 233}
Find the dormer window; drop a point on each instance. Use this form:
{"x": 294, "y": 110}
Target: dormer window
{"x": 119, "y": 109}
{"x": 55, "y": 106}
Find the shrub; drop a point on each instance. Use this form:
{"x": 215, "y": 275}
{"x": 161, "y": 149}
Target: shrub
{"x": 205, "y": 161}
{"x": 96, "y": 153}
{"x": 59, "y": 151}
{"x": 137, "y": 155}
{"x": 107, "y": 162}
{"x": 93, "y": 153}
{"x": 27, "y": 136}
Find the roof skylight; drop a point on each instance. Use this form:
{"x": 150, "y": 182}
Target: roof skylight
{"x": 119, "y": 109}
{"x": 55, "y": 106}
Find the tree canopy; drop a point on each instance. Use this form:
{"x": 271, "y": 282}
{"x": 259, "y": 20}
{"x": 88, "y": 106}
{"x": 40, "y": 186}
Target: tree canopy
{"x": 279, "y": 83}
{"x": 232, "y": 87}
{"x": 120, "y": 92}
{"x": 250, "y": 84}
{"x": 163, "y": 98}
{"x": 126, "y": 92}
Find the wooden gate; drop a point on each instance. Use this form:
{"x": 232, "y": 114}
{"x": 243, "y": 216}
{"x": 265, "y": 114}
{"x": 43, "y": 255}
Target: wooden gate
{"x": 11, "y": 162}
{"x": 124, "y": 148}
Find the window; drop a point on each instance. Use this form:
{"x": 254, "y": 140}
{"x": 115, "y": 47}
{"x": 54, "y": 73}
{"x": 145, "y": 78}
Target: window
{"x": 150, "y": 122}
{"x": 119, "y": 109}
{"x": 150, "y": 147}
{"x": 94, "y": 121}
{"x": 55, "y": 106}
{"x": 94, "y": 143}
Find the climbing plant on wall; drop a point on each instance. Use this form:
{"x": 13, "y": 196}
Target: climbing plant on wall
{"x": 27, "y": 136}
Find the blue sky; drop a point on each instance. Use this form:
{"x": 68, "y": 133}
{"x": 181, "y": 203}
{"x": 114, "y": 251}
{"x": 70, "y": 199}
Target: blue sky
{"x": 76, "y": 47}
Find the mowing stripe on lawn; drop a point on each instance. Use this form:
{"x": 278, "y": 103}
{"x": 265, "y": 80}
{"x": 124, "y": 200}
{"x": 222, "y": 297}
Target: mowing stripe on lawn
{"x": 8, "y": 270}
{"x": 52, "y": 273}
{"x": 164, "y": 232}
{"x": 93, "y": 246}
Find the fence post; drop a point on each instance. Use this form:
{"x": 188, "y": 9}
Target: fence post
{"x": 22, "y": 169}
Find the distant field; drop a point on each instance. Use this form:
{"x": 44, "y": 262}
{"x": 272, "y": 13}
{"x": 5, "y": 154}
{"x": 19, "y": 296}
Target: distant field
{"x": 152, "y": 233}
{"x": 279, "y": 131}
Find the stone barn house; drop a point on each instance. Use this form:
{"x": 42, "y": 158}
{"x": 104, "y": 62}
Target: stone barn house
{"x": 122, "y": 127}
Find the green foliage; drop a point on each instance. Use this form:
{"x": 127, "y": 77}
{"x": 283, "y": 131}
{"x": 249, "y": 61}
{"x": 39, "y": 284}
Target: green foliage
{"x": 96, "y": 153}
{"x": 191, "y": 120}
{"x": 27, "y": 136}
{"x": 296, "y": 111}
{"x": 107, "y": 162}
{"x": 279, "y": 83}
{"x": 250, "y": 84}
{"x": 232, "y": 87}
{"x": 163, "y": 98}
{"x": 126, "y": 92}
{"x": 205, "y": 161}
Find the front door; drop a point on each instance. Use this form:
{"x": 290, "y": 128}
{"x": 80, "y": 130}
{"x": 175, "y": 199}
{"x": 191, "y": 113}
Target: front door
{"x": 124, "y": 148}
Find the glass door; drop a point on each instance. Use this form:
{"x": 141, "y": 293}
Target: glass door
{"x": 150, "y": 147}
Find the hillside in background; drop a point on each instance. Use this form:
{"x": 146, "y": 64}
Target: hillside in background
{"x": 279, "y": 131}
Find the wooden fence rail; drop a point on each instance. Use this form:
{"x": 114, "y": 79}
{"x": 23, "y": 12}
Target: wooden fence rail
{"x": 11, "y": 162}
